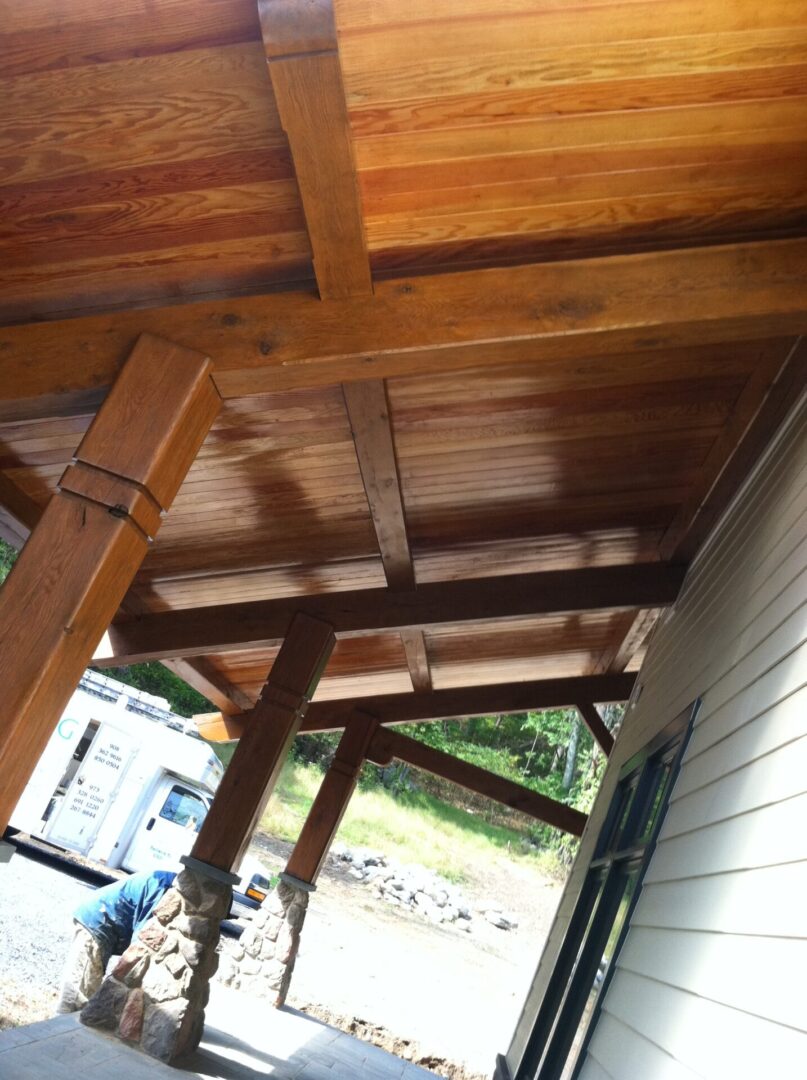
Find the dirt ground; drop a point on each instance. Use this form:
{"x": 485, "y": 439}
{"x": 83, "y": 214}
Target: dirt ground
{"x": 440, "y": 997}
{"x": 433, "y": 995}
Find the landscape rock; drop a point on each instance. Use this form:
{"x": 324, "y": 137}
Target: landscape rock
{"x": 414, "y": 888}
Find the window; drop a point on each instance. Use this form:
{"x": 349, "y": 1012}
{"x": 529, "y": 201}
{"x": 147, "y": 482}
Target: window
{"x": 184, "y": 808}
{"x": 598, "y": 925}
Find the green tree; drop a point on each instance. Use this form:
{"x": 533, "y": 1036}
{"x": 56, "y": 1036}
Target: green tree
{"x": 7, "y": 558}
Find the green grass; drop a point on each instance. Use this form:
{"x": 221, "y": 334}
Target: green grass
{"x": 413, "y": 827}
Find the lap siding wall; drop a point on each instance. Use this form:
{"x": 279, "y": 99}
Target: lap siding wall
{"x": 710, "y": 982}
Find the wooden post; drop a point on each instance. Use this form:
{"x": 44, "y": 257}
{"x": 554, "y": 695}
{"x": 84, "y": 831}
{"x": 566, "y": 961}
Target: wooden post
{"x": 80, "y": 559}
{"x": 256, "y": 764}
{"x": 332, "y": 799}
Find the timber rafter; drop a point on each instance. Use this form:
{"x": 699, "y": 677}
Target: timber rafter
{"x": 263, "y": 624}
{"x": 429, "y": 324}
{"x": 392, "y": 709}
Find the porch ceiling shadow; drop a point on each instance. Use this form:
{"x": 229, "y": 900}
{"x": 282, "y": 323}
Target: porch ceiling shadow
{"x": 547, "y": 324}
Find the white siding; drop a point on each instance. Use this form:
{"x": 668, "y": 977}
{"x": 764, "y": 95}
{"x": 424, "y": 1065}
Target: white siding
{"x": 712, "y": 982}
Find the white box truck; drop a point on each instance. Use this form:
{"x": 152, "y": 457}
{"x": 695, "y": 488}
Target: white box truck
{"x": 122, "y": 780}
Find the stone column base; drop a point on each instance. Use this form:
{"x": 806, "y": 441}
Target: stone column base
{"x": 262, "y": 960}
{"x": 157, "y": 993}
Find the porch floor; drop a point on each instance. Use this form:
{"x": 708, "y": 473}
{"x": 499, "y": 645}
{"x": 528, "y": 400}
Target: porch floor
{"x": 244, "y": 1039}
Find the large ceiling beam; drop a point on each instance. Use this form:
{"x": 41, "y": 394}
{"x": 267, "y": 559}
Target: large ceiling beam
{"x": 303, "y": 58}
{"x": 264, "y": 623}
{"x": 437, "y": 323}
{"x": 441, "y": 704}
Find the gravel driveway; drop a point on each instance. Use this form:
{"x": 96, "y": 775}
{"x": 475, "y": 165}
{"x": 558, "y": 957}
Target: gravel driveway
{"x": 36, "y": 905}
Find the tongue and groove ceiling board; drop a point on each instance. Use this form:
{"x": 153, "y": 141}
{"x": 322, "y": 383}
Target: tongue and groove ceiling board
{"x": 516, "y": 472}
{"x": 142, "y": 157}
{"x": 385, "y": 418}
{"x": 524, "y": 131}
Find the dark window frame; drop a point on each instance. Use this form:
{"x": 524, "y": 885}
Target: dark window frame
{"x": 625, "y": 845}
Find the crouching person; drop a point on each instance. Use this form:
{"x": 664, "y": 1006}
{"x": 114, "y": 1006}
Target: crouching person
{"x": 104, "y": 927}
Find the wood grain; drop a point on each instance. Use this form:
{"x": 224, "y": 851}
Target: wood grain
{"x": 204, "y": 678}
{"x": 332, "y": 799}
{"x": 35, "y": 38}
{"x": 160, "y": 381}
{"x": 368, "y": 412}
{"x": 256, "y": 764}
{"x": 438, "y": 324}
{"x": 444, "y": 704}
{"x": 733, "y": 458}
{"x": 75, "y": 568}
{"x": 308, "y": 93}
{"x": 417, "y": 659}
{"x": 261, "y": 624}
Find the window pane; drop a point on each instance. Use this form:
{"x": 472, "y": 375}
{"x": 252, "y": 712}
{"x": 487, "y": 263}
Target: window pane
{"x": 655, "y": 802}
{"x": 184, "y": 808}
{"x": 623, "y": 800}
{"x": 629, "y": 886}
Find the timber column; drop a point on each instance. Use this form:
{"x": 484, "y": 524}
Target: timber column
{"x": 80, "y": 559}
{"x": 262, "y": 961}
{"x": 157, "y": 994}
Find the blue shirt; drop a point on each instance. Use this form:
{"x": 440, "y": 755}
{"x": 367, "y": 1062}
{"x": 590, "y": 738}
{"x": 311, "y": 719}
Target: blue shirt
{"x": 115, "y": 913}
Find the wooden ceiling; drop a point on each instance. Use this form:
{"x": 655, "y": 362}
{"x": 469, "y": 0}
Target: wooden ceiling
{"x": 490, "y": 290}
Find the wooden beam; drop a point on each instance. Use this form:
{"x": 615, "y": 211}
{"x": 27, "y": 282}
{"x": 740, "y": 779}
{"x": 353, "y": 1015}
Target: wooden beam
{"x": 594, "y": 722}
{"x": 635, "y": 637}
{"x": 199, "y": 673}
{"x": 392, "y": 744}
{"x": 631, "y": 630}
{"x": 538, "y": 314}
{"x": 417, "y": 659}
{"x": 251, "y": 775}
{"x": 303, "y": 58}
{"x": 394, "y": 709}
{"x": 332, "y": 799}
{"x": 368, "y": 412}
{"x": 80, "y": 558}
{"x": 260, "y": 623}
{"x": 755, "y": 418}
{"x": 18, "y": 513}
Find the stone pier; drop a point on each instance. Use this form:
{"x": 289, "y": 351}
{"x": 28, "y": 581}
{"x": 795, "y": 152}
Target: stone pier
{"x": 262, "y": 960}
{"x": 156, "y": 995}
